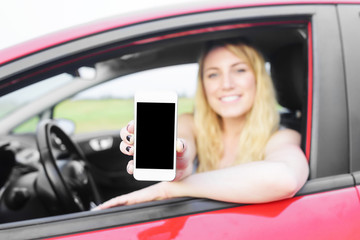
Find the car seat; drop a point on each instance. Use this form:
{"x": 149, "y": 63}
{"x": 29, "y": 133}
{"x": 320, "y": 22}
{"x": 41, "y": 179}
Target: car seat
{"x": 289, "y": 73}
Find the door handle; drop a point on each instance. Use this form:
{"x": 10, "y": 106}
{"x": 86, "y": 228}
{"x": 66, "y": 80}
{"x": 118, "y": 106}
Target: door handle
{"x": 101, "y": 144}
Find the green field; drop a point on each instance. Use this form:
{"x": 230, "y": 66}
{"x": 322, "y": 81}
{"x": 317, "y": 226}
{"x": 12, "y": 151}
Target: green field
{"x": 93, "y": 115}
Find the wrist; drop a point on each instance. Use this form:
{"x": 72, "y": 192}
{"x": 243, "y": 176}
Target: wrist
{"x": 170, "y": 189}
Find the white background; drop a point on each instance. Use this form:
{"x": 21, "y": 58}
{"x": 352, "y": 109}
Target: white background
{"x": 21, "y": 20}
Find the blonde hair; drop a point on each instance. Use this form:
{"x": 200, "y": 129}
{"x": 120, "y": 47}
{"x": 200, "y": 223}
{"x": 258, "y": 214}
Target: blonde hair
{"x": 261, "y": 121}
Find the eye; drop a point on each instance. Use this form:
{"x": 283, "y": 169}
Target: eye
{"x": 212, "y": 75}
{"x": 240, "y": 70}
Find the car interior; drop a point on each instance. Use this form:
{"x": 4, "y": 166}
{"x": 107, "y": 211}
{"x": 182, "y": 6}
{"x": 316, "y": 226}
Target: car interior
{"x": 53, "y": 170}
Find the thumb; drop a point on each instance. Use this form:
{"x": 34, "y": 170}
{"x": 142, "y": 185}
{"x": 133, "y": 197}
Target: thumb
{"x": 180, "y": 147}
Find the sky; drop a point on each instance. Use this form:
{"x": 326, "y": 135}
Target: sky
{"x": 21, "y": 20}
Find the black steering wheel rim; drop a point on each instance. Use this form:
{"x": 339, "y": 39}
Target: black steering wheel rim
{"x": 69, "y": 200}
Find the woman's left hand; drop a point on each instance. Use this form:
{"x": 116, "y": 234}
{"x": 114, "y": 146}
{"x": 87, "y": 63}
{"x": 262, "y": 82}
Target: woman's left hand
{"x": 151, "y": 193}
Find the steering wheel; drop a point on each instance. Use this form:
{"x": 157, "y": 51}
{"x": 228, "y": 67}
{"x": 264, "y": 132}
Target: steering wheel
{"x": 66, "y": 168}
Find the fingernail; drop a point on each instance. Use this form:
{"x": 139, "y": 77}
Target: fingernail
{"x": 128, "y": 148}
{"x": 95, "y": 209}
{"x": 180, "y": 146}
{"x": 127, "y": 127}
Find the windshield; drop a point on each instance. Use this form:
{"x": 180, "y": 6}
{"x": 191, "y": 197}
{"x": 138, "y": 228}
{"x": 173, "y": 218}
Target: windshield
{"x": 12, "y": 101}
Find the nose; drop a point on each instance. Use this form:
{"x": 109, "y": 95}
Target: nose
{"x": 227, "y": 81}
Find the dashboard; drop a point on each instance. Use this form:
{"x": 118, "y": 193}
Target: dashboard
{"x": 18, "y": 154}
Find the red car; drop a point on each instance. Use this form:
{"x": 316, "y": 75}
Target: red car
{"x": 53, "y": 171}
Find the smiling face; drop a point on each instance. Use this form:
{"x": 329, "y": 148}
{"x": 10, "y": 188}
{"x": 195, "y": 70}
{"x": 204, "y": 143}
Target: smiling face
{"x": 229, "y": 83}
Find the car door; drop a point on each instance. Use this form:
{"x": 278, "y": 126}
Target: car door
{"x": 326, "y": 207}
{"x": 349, "y": 24}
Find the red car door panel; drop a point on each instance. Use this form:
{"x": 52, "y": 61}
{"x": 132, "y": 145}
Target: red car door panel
{"x": 330, "y": 215}
{"x": 333, "y": 214}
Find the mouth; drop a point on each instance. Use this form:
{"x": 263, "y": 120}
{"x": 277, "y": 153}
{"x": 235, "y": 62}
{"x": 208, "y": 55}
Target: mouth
{"x": 231, "y": 98}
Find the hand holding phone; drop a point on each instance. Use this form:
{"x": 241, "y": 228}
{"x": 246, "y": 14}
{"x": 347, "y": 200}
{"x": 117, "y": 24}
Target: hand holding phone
{"x": 154, "y": 109}
{"x": 127, "y": 148}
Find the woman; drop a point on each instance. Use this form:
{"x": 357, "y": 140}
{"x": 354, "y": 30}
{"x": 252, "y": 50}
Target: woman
{"x": 243, "y": 155}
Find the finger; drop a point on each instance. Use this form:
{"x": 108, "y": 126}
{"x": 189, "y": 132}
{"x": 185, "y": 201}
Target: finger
{"x": 181, "y": 161}
{"x": 130, "y": 139}
{"x": 126, "y": 148}
{"x": 131, "y": 126}
{"x": 130, "y": 167}
{"x": 118, "y": 201}
{"x": 124, "y": 133}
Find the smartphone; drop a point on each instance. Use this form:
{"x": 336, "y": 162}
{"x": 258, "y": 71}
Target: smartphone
{"x": 155, "y": 135}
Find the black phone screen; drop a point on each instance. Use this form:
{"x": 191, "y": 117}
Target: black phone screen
{"x": 155, "y": 129}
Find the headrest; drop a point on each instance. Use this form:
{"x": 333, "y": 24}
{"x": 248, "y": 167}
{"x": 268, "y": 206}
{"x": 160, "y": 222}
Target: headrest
{"x": 289, "y": 71}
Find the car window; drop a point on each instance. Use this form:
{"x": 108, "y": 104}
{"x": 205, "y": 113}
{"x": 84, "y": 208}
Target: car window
{"x": 12, "y": 102}
{"x": 110, "y": 105}
{"x": 28, "y": 126}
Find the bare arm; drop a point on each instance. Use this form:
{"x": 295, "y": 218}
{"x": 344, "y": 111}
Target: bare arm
{"x": 282, "y": 173}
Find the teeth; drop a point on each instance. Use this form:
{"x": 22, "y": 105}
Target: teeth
{"x": 229, "y": 98}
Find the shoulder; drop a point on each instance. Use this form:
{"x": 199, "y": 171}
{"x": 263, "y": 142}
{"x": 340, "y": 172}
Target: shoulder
{"x": 284, "y": 147}
{"x": 283, "y": 138}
